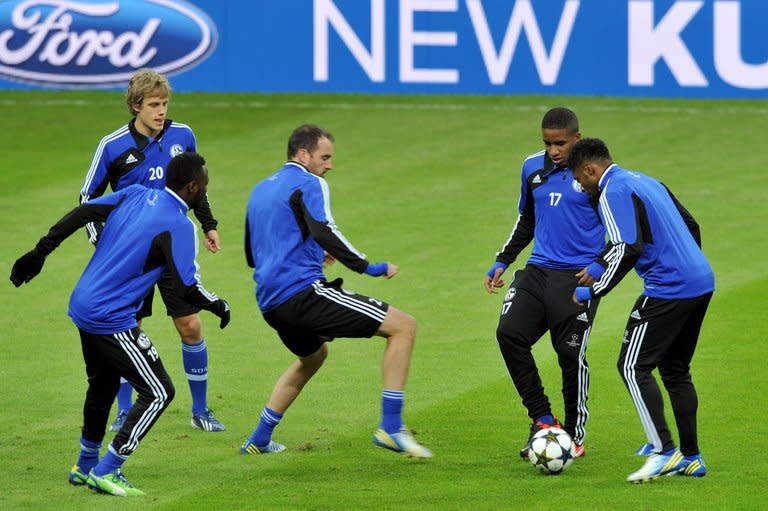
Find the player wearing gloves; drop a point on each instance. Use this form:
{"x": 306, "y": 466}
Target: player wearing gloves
{"x": 138, "y": 153}
{"x": 146, "y": 233}
{"x": 650, "y": 230}
{"x": 289, "y": 235}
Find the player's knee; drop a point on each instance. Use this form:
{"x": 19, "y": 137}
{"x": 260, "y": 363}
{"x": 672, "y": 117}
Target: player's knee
{"x": 314, "y": 361}
{"x": 170, "y": 393}
{"x": 190, "y": 328}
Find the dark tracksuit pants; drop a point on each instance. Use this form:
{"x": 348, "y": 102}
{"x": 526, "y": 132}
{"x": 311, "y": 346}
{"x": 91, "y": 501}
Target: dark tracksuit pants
{"x": 663, "y": 333}
{"x": 129, "y": 354}
{"x": 539, "y": 299}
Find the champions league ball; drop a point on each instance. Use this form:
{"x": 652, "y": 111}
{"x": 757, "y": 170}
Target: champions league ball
{"x": 551, "y": 450}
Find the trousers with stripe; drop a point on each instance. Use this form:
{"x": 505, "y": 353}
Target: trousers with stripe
{"x": 539, "y": 299}
{"x": 132, "y": 355}
{"x": 663, "y": 334}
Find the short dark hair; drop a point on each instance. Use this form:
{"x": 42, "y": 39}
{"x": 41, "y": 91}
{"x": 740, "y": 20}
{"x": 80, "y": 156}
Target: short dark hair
{"x": 182, "y": 169}
{"x": 588, "y": 149}
{"x": 306, "y": 137}
{"x": 560, "y": 118}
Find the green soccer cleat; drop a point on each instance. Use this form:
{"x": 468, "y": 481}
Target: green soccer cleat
{"x": 657, "y": 465}
{"x": 77, "y": 477}
{"x": 113, "y": 483}
{"x": 271, "y": 448}
{"x": 402, "y": 442}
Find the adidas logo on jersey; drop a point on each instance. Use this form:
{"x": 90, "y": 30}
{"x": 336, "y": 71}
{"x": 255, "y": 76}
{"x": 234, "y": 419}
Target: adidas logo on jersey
{"x": 583, "y": 317}
{"x": 536, "y": 179}
{"x": 131, "y": 159}
{"x": 635, "y": 315}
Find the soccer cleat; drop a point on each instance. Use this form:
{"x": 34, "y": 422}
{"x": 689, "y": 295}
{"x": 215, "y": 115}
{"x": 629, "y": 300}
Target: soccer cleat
{"x": 113, "y": 483}
{"x": 77, "y": 477}
{"x": 579, "y": 450}
{"x": 402, "y": 442}
{"x": 692, "y": 466}
{"x": 645, "y": 450}
{"x": 656, "y": 465}
{"x": 207, "y": 422}
{"x": 535, "y": 427}
{"x": 271, "y": 448}
{"x": 119, "y": 421}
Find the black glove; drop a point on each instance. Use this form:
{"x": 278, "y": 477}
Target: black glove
{"x": 221, "y": 309}
{"x": 27, "y": 266}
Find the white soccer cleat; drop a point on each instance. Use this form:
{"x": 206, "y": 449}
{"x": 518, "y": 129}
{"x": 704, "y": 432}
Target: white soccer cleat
{"x": 402, "y": 442}
{"x": 656, "y": 465}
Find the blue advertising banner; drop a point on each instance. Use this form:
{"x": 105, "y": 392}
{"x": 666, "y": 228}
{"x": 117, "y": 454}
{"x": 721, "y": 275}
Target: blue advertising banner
{"x": 666, "y": 48}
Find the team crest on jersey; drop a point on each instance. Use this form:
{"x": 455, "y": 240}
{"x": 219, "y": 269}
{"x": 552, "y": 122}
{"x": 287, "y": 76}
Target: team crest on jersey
{"x": 176, "y": 150}
{"x": 576, "y": 186}
{"x": 510, "y": 294}
{"x": 143, "y": 341}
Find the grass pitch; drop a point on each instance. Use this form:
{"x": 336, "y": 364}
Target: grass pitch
{"x": 430, "y": 183}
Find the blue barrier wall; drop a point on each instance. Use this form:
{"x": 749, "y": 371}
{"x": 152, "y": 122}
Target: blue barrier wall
{"x": 669, "y": 48}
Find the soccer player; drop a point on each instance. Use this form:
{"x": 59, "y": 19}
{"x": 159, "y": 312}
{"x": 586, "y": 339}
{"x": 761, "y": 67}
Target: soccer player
{"x": 567, "y": 235}
{"x": 147, "y": 236}
{"x": 289, "y": 234}
{"x": 650, "y": 230}
{"x": 139, "y": 152}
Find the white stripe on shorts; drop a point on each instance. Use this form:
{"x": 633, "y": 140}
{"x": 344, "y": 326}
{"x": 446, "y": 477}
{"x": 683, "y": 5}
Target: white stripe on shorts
{"x": 349, "y": 301}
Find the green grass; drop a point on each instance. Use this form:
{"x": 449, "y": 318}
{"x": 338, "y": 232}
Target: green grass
{"x": 430, "y": 183}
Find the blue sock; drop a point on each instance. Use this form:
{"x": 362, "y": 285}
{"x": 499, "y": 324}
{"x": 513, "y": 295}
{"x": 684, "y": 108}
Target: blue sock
{"x": 547, "y": 419}
{"x": 195, "y": 358}
{"x": 262, "y": 435}
{"x": 391, "y": 410}
{"x": 89, "y": 455}
{"x": 124, "y": 396}
{"x": 110, "y": 462}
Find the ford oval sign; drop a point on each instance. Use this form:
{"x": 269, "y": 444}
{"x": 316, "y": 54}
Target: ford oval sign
{"x": 100, "y": 42}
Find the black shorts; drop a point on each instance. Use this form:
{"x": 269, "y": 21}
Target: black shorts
{"x": 175, "y": 305}
{"x": 323, "y": 312}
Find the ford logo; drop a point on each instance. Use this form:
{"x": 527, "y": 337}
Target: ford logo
{"x": 100, "y": 42}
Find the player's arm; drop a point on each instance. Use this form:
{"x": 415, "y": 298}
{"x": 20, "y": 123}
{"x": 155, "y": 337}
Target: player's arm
{"x": 178, "y": 248}
{"x": 690, "y": 222}
{"x": 628, "y": 231}
{"x": 247, "y": 242}
{"x": 203, "y": 211}
{"x": 31, "y": 263}
{"x": 209, "y": 224}
{"x": 312, "y": 210}
{"x": 521, "y": 235}
{"x": 95, "y": 184}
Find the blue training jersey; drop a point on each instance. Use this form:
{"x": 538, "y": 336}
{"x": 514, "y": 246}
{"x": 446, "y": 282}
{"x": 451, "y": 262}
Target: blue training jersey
{"x": 648, "y": 228}
{"x": 288, "y": 227}
{"x": 558, "y": 217}
{"x": 126, "y": 157}
{"x": 147, "y": 231}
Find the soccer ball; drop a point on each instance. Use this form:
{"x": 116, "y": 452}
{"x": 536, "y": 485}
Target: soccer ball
{"x": 551, "y": 450}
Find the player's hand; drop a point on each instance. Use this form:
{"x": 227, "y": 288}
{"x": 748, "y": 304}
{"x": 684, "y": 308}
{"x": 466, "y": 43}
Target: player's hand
{"x": 26, "y": 267}
{"x": 493, "y": 280}
{"x": 212, "y": 242}
{"x": 221, "y": 309}
{"x": 328, "y": 260}
{"x": 392, "y": 270}
{"x": 585, "y": 279}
